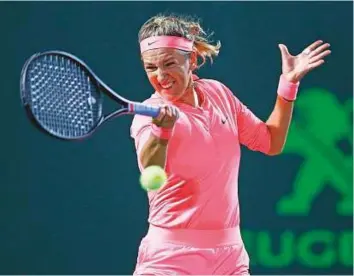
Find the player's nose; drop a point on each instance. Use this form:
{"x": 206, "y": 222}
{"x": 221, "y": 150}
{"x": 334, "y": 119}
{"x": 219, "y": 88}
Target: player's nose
{"x": 161, "y": 76}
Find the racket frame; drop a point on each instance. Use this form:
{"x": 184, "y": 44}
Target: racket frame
{"x": 128, "y": 107}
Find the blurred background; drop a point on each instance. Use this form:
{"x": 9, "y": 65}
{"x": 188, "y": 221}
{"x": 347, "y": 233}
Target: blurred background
{"x": 77, "y": 208}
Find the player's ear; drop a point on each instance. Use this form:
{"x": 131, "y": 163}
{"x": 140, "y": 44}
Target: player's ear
{"x": 193, "y": 60}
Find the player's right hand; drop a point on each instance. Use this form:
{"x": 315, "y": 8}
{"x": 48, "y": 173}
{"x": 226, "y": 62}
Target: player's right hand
{"x": 167, "y": 117}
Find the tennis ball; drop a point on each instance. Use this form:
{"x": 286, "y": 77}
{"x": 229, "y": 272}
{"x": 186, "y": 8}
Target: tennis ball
{"x": 152, "y": 178}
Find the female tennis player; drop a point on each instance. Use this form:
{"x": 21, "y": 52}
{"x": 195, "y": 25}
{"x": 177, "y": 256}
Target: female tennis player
{"x": 194, "y": 219}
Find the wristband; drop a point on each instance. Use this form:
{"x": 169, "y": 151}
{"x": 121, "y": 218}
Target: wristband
{"x": 160, "y": 132}
{"x": 287, "y": 89}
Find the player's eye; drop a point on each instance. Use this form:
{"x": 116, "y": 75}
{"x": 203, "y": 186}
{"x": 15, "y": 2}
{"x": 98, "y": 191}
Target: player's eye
{"x": 169, "y": 64}
{"x": 150, "y": 68}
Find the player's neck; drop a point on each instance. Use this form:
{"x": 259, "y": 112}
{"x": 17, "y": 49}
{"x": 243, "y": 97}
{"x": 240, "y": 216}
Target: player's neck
{"x": 196, "y": 99}
{"x": 191, "y": 98}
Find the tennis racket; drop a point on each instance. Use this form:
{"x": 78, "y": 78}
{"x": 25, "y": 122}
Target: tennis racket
{"x": 64, "y": 98}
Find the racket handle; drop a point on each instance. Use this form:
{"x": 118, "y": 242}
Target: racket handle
{"x": 143, "y": 109}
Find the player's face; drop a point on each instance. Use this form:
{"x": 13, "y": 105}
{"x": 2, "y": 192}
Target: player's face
{"x": 169, "y": 71}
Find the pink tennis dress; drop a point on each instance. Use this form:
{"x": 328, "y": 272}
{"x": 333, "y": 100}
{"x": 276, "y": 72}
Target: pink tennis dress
{"x": 194, "y": 218}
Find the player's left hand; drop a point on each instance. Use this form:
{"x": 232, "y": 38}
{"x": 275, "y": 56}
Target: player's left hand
{"x": 296, "y": 67}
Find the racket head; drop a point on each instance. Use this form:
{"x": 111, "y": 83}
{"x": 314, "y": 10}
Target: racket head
{"x": 61, "y": 95}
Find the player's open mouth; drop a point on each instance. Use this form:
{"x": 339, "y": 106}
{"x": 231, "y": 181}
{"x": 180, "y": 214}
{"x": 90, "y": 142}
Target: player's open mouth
{"x": 167, "y": 85}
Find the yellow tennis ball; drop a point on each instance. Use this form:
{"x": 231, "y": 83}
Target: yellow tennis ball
{"x": 152, "y": 178}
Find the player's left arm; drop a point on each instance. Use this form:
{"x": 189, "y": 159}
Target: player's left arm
{"x": 294, "y": 68}
{"x": 270, "y": 137}
{"x": 278, "y": 125}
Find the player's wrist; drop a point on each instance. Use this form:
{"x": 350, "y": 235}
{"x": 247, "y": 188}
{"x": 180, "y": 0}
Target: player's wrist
{"x": 161, "y": 132}
{"x": 287, "y": 89}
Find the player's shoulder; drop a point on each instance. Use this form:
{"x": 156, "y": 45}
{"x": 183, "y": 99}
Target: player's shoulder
{"x": 215, "y": 87}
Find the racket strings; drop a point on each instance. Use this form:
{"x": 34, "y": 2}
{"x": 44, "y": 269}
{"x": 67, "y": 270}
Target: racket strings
{"x": 62, "y": 96}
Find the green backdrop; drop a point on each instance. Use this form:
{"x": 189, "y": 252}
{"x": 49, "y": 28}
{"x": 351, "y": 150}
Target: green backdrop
{"x": 77, "y": 208}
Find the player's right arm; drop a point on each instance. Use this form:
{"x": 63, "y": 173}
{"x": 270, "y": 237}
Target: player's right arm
{"x": 152, "y": 139}
{"x": 153, "y": 152}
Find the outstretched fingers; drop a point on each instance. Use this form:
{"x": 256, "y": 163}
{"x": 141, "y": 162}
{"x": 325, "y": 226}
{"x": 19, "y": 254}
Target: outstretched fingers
{"x": 319, "y": 50}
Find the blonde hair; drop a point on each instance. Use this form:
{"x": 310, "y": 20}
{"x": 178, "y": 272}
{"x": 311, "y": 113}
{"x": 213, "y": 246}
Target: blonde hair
{"x": 183, "y": 26}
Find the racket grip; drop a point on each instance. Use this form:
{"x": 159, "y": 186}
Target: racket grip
{"x": 143, "y": 109}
